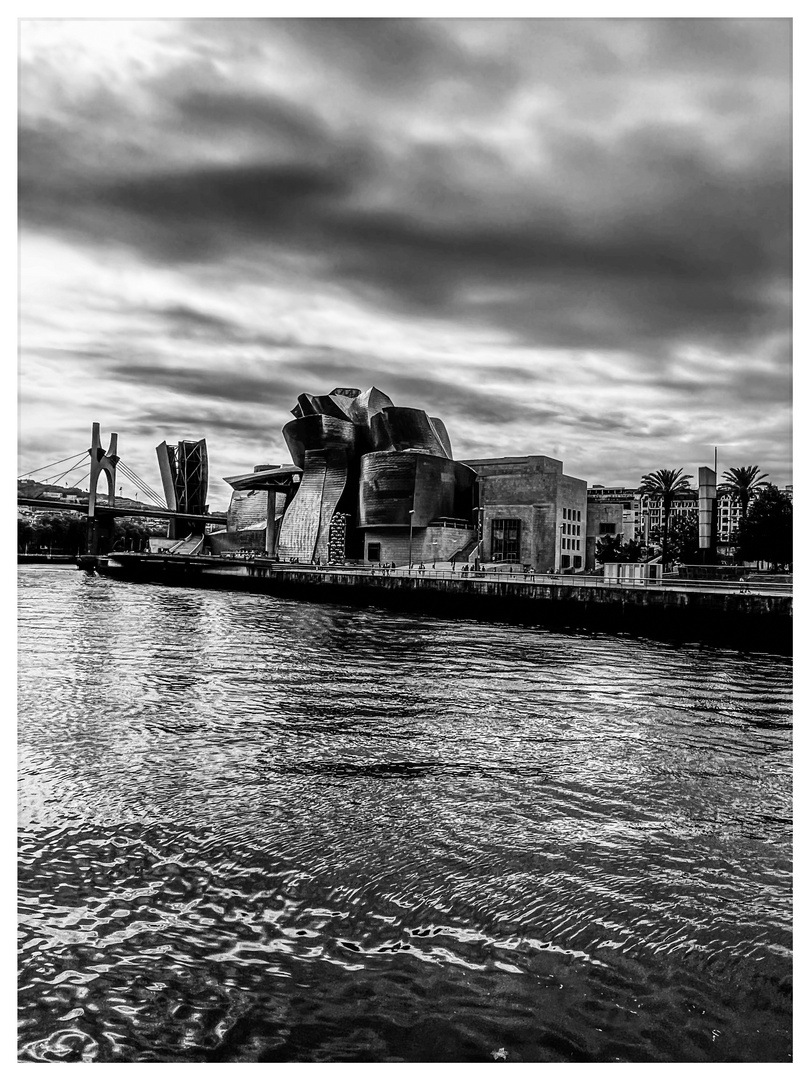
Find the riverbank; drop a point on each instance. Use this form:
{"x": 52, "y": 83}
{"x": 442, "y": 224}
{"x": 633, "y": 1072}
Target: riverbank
{"x": 747, "y": 618}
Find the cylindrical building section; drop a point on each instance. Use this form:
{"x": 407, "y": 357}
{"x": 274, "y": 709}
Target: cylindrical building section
{"x": 395, "y": 482}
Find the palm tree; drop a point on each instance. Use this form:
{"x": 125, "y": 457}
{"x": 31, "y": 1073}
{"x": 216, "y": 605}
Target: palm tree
{"x": 664, "y": 483}
{"x": 743, "y": 483}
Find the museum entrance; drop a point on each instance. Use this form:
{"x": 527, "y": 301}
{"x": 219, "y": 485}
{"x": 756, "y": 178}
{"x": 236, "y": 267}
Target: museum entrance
{"x": 505, "y": 545}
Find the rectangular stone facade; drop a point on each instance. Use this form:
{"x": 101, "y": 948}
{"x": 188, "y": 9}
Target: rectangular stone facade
{"x": 550, "y": 506}
{"x": 431, "y": 543}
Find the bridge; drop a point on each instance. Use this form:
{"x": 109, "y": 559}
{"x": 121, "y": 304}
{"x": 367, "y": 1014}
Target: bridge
{"x": 184, "y": 474}
{"x": 123, "y": 511}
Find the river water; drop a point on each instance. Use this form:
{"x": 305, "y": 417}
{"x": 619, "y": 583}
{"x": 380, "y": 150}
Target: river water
{"x": 263, "y": 830}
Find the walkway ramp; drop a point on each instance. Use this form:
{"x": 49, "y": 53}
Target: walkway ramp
{"x": 192, "y": 545}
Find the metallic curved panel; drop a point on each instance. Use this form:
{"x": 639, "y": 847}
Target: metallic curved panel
{"x": 280, "y": 478}
{"x": 334, "y": 485}
{"x": 394, "y": 482}
{"x": 345, "y": 391}
{"x": 405, "y": 429}
{"x": 387, "y": 488}
{"x": 304, "y": 530}
{"x": 314, "y": 404}
{"x": 318, "y": 432}
{"x": 463, "y": 491}
{"x": 441, "y": 432}
{"x": 368, "y": 404}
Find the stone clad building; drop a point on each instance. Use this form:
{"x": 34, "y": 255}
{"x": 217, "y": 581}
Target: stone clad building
{"x": 530, "y": 512}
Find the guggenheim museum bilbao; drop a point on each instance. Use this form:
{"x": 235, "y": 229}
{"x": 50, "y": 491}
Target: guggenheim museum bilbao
{"x": 377, "y": 482}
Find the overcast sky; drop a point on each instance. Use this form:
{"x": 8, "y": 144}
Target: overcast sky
{"x": 563, "y": 237}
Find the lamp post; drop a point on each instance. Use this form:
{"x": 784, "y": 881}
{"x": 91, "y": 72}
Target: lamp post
{"x": 562, "y": 530}
{"x": 478, "y": 511}
{"x": 410, "y": 539}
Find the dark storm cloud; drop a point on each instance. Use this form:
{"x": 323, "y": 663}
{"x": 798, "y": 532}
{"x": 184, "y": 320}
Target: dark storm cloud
{"x": 267, "y": 387}
{"x": 155, "y": 423}
{"x": 615, "y": 190}
{"x": 225, "y": 386}
{"x": 702, "y": 260}
{"x": 185, "y": 322}
{"x": 449, "y": 397}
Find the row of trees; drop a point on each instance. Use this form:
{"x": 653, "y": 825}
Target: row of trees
{"x": 765, "y": 527}
{"x": 66, "y": 533}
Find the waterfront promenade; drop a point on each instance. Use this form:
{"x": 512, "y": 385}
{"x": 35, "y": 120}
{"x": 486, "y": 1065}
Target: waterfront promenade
{"x": 743, "y": 615}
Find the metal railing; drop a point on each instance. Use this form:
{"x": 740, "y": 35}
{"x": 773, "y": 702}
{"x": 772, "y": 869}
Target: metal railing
{"x": 522, "y": 578}
{"x": 533, "y": 578}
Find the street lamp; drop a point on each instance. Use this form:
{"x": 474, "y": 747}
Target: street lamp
{"x": 410, "y": 540}
{"x": 479, "y": 529}
{"x": 562, "y": 530}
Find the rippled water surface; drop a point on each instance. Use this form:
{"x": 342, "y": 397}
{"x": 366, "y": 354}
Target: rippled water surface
{"x": 262, "y": 830}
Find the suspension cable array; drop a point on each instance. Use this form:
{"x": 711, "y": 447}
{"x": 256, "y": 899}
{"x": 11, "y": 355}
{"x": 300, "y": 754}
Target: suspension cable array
{"x": 42, "y": 468}
{"x": 78, "y": 461}
{"x": 141, "y": 485}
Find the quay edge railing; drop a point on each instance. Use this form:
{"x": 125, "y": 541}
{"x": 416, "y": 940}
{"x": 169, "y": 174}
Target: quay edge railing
{"x": 521, "y": 578}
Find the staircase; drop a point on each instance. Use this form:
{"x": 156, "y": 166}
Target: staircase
{"x": 468, "y": 552}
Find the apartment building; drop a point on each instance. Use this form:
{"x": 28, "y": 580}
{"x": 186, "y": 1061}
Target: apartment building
{"x": 642, "y": 514}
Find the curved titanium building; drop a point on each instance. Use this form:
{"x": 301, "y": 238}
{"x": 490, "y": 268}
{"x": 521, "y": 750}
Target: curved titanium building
{"x": 376, "y": 478}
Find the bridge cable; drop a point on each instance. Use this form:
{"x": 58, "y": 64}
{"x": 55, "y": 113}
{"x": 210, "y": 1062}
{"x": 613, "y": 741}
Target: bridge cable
{"x": 146, "y": 490}
{"x": 142, "y": 485}
{"x": 131, "y": 472}
{"x": 73, "y": 468}
{"x": 42, "y": 468}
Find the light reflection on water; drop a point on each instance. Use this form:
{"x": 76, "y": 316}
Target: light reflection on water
{"x": 257, "y": 830}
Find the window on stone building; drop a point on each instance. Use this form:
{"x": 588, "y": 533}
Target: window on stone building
{"x": 506, "y": 539}
{"x": 373, "y": 552}
{"x": 607, "y": 527}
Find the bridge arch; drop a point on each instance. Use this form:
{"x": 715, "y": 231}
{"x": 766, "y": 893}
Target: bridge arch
{"x": 102, "y": 463}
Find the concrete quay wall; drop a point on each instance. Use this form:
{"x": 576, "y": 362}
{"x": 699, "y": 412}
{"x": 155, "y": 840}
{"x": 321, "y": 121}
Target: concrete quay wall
{"x": 749, "y": 621}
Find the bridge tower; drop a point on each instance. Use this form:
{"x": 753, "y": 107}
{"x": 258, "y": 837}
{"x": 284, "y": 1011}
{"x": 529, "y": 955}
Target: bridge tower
{"x": 184, "y": 472}
{"x": 102, "y": 463}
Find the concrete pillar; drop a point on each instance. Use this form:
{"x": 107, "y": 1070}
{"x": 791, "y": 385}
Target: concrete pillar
{"x": 707, "y": 514}
{"x": 270, "y": 534}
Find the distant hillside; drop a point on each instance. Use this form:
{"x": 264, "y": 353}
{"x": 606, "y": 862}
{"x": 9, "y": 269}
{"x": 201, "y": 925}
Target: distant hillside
{"x": 34, "y": 489}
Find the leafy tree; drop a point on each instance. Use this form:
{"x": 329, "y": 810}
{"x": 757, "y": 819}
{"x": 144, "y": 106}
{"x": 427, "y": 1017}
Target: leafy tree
{"x": 25, "y": 533}
{"x": 769, "y": 528}
{"x": 743, "y": 483}
{"x": 684, "y": 545}
{"x": 664, "y": 484}
{"x": 62, "y": 533}
{"x": 131, "y": 534}
{"x": 66, "y": 533}
{"x": 611, "y": 549}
